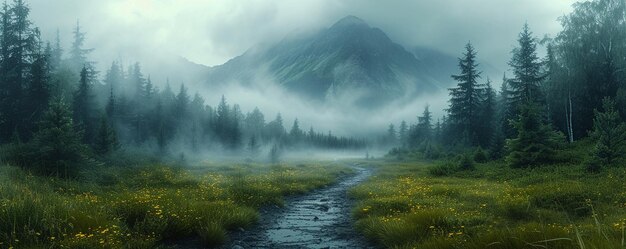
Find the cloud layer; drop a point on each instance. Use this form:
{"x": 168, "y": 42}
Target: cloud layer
{"x": 212, "y": 31}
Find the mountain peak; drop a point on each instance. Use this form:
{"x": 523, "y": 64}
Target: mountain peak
{"x": 350, "y": 20}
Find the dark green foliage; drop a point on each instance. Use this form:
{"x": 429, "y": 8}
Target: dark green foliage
{"x": 466, "y": 99}
{"x": 443, "y": 169}
{"x": 609, "y": 132}
{"x": 487, "y": 116}
{"x": 227, "y": 126}
{"x": 56, "y": 147}
{"x": 466, "y": 162}
{"x": 506, "y": 111}
{"x": 526, "y": 67}
{"x": 105, "y": 141}
{"x": 536, "y": 143}
{"x": 480, "y": 156}
{"x": 84, "y": 107}
{"x": 18, "y": 50}
{"x": 497, "y": 146}
{"x": 421, "y": 133}
{"x": 591, "y": 48}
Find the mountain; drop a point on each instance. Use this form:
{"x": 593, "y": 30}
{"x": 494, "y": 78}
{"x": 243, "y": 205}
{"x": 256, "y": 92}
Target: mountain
{"x": 349, "y": 62}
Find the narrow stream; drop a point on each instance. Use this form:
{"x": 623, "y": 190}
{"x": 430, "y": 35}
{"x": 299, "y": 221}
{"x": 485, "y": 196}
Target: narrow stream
{"x": 320, "y": 219}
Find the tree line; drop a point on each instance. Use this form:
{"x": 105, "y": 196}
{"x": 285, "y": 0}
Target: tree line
{"x": 576, "y": 92}
{"x": 55, "y": 110}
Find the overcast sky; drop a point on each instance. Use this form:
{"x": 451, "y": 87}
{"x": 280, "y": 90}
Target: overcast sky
{"x": 212, "y": 31}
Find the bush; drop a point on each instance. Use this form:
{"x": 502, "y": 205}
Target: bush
{"x": 480, "y": 156}
{"x": 466, "y": 163}
{"x": 593, "y": 165}
{"x": 442, "y": 169}
{"x": 536, "y": 142}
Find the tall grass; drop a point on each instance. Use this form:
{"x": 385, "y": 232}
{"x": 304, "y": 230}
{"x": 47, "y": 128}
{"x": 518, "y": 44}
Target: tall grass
{"x": 144, "y": 206}
{"x": 416, "y": 205}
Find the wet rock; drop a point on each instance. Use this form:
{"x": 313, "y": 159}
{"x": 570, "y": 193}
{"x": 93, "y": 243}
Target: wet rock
{"x": 316, "y": 218}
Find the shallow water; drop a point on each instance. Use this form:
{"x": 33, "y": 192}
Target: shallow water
{"x": 320, "y": 219}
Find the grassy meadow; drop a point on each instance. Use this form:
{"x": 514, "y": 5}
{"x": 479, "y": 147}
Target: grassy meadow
{"x": 150, "y": 205}
{"x": 415, "y": 205}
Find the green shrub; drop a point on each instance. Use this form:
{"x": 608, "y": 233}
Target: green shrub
{"x": 480, "y": 156}
{"x": 466, "y": 163}
{"x": 442, "y": 169}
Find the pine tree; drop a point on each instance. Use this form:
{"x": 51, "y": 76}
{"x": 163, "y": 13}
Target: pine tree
{"x": 275, "y": 128}
{"x": 84, "y": 108}
{"x": 254, "y": 123}
{"x": 536, "y": 143}
{"x": 181, "y": 106}
{"x": 56, "y": 54}
{"x": 105, "y": 141}
{"x": 487, "y": 116}
{"x": 296, "y": 133}
{"x": 114, "y": 78}
{"x": 466, "y": 98}
{"x": 78, "y": 54}
{"x": 506, "y": 111}
{"x": 18, "y": 47}
{"x": 403, "y": 133}
{"x": 58, "y": 149}
{"x": 110, "y": 107}
{"x": 609, "y": 132}
{"x": 424, "y": 123}
{"x": 527, "y": 71}
{"x": 38, "y": 90}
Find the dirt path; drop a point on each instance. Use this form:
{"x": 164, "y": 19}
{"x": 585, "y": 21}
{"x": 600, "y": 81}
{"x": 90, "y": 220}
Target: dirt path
{"x": 320, "y": 219}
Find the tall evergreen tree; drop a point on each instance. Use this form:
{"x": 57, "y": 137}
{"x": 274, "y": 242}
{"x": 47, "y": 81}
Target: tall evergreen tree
{"x": 466, "y": 98}
{"x": 105, "y": 140}
{"x": 255, "y": 122}
{"x": 609, "y": 132}
{"x": 78, "y": 54}
{"x": 296, "y": 133}
{"x": 526, "y": 86}
{"x": 487, "y": 116}
{"x": 84, "y": 108}
{"x": 403, "y": 133}
{"x": 18, "y": 47}
{"x": 58, "y": 147}
{"x": 38, "y": 90}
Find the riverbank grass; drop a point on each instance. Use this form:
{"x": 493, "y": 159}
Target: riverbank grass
{"x": 559, "y": 206}
{"x": 146, "y": 206}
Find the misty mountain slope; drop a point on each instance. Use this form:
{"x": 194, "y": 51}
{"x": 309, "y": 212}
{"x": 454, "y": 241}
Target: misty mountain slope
{"x": 440, "y": 66}
{"x": 350, "y": 62}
